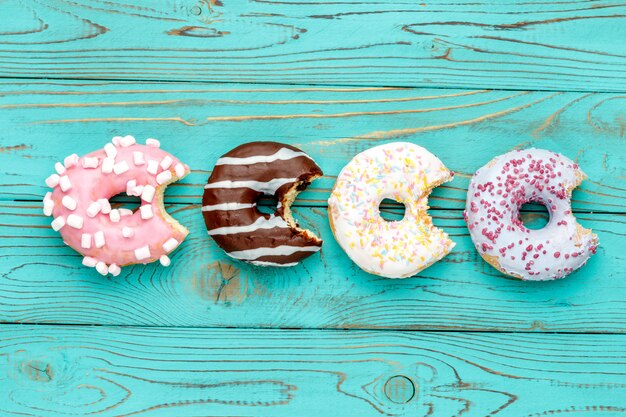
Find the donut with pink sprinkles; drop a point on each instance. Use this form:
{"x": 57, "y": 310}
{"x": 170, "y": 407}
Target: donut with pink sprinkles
{"x": 495, "y": 195}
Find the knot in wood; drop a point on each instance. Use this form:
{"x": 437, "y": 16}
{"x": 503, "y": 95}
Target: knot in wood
{"x": 399, "y": 389}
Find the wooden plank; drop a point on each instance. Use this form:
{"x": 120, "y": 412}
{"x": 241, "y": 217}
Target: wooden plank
{"x": 43, "y": 281}
{"x": 562, "y": 45}
{"x": 45, "y": 121}
{"x": 76, "y": 371}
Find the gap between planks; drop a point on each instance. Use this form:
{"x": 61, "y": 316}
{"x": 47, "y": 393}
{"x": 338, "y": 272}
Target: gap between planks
{"x": 311, "y": 85}
{"x": 312, "y": 328}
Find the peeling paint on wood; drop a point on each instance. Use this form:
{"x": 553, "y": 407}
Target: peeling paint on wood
{"x": 558, "y": 45}
{"x": 215, "y": 118}
{"x": 237, "y": 372}
{"x": 43, "y": 281}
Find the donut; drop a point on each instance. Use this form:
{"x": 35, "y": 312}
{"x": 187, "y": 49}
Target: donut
{"x": 229, "y": 204}
{"x": 109, "y": 238}
{"x": 403, "y": 172}
{"x": 495, "y": 195}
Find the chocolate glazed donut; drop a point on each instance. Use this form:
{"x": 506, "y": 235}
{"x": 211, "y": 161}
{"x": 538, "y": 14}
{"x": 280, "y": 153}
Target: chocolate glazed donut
{"x": 239, "y": 179}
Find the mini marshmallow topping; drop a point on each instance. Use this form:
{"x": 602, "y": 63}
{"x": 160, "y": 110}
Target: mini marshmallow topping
{"x": 153, "y": 167}
{"x": 82, "y": 194}
{"x": 142, "y": 253}
{"x": 64, "y": 183}
{"x": 53, "y": 180}
{"x": 48, "y": 206}
{"x": 153, "y": 143}
{"x": 102, "y": 268}
{"x": 164, "y": 177}
{"x": 98, "y": 239}
{"x": 130, "y": 185}
{"x": 110, "y": 150}
{"x": 127, "y": 232}
{"x": 138, "y": 158}
{"x": 89, "y": 261}
{"x": 120, "y": 167}
{"x": 146, "y": 211}
{"x": 90, "y": 162}
{"x": 165, "y": 260}
{"x": 114, "y": 270}
{"x": 179, "y": 169}
{"x": 58, "y": 223}
{"x": 59, "y": 168}
{"x": 85, "y": 241}
{"x": 107, "y": 165}
{"x": 127, "y": 141}
{"x": 70, "y": 161}
{"x": 148, "y": 193}
{"x": 93, "y": 209}
{"x": 68, "y": 202}
{"x": 137, "y": 191}
{"x": 166, "y": 163}
{"x": 115, "y": 216}
{"x": 105, "y": 205}
{"x": 75, "y": 221}
{"x": 170, "y": 245}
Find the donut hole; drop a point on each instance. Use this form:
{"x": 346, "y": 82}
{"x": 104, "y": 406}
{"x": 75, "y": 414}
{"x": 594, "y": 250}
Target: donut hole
{"x": 267, "y": 204}
{"x": 123, "y": 200}
{"x": 534, "y": 216}
{"x": 391, "y": 210}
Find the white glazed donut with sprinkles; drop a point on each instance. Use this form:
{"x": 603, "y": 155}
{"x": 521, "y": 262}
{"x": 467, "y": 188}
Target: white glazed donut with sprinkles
{"x": 495, "y": 195}
{"x": 403, "y": 172}
{"x": 110, "y": 238}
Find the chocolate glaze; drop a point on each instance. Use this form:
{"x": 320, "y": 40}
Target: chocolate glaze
{"x": 262, "y": 237}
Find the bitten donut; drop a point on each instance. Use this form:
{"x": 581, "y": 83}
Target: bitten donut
{"x": 395, "y": 249}
{"x": 111, "y": 238}
{"x": 230, "y": 211}
{"x": 495, "y": 195}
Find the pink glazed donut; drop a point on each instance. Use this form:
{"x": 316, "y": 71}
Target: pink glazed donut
{"x": 110, "y": 238}
{"x": 495, "y": 195}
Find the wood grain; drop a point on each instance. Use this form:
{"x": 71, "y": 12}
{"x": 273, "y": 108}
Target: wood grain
{"x": 69, "y": 371}
{"x": 334, "y": 78}
{"x": 559, "y": 45}
{"x": 46, "y": 120}
{"x": 43, "y": 281}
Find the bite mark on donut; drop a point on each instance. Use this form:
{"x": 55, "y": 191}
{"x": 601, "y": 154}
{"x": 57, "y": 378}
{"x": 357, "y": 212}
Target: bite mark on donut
{"x": 288, "y": 199}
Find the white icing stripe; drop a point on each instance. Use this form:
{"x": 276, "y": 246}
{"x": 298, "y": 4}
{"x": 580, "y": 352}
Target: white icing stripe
{"x": 228, "y": 206}
{"x": 268, "y": 187}
{"x": 263, "y": 263}
{"x": 260, "y": 223}
{"x": 252, "y": 254}
{"x": 283, "y": 154}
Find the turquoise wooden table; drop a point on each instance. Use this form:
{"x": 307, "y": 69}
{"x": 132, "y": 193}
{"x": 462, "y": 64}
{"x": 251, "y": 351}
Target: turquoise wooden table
{"x": 209, "y": 336}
